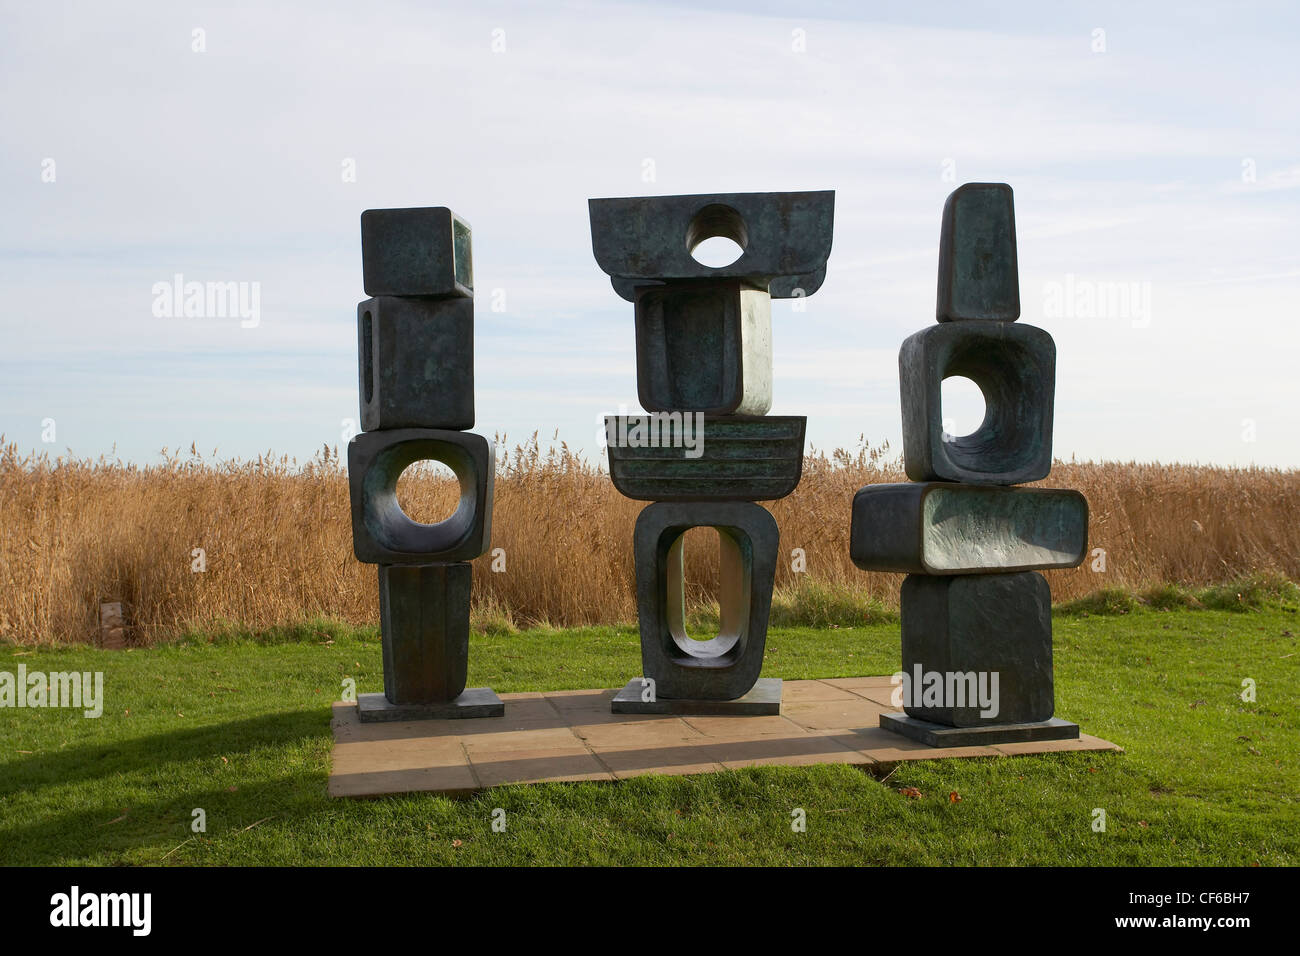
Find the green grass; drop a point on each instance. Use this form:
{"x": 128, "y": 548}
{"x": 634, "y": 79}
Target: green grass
{"x": 240, "y": 728}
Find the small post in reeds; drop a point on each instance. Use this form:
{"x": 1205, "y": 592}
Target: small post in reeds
{"x": 112, "y": 626}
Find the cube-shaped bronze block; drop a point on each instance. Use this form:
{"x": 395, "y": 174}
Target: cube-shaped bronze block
{"x": 424, "y": 251}
{"x": 416, "y": 363}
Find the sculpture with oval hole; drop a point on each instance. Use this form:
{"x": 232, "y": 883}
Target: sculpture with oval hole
{"x": 703, "y": 323}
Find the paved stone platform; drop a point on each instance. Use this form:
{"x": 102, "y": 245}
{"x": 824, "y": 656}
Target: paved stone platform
{"x": 571, "y": 735}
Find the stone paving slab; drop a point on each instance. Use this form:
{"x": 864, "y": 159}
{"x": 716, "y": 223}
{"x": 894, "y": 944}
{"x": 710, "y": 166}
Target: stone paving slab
{"x": 571, "y": 735}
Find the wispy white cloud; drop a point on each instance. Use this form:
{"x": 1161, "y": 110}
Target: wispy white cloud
{"x": 227, "y": 165}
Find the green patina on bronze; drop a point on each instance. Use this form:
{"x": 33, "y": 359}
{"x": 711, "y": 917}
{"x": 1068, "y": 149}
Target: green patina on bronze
{"x": 981, "y": 624}
{"x": 417, "y": 362}
{"x": 424, "y": 622}
{"x": 382, "y": 533}
{"x": 757, "y": 459}
{"x": 726, "y": 666}
{"x": 704, "y": 354}
{"x": 704, "y": 346}
{"x": 978, "y": 274}
{"x": 943, "y": 528}
{"x": 965, "y": 528}
{"x": 972, "y": 604}
{"x": 415, "y": 348}
{"x": 419, "y": 251}
{"x": 1014, "y": 366}
{"x": 462, "y": 253}
{"x": 648, "y": 240}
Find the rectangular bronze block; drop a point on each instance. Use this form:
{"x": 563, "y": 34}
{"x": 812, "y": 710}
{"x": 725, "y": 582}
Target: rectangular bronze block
{"x": 979, "y": 277}
{"x": 424, "y": 620}
{"x": 763, "y": 699}
{"x": 472, "y": 702}
{"x": 938, "y": 527}
{"x": 704, "y": 347}
{"x": 977, "y": 649}
{"x": 724, "y": 667}
{"x": 650, "y": 238}
{"x": 940, "y": 735}
{"x": 676, "y": 457}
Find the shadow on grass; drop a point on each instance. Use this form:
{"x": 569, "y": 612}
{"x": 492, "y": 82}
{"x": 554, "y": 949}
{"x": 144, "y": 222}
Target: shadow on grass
{"x": 153, "y": 766}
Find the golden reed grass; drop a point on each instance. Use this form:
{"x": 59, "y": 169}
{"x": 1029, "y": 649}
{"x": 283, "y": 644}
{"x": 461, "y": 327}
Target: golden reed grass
{"x": 276, "y": 538}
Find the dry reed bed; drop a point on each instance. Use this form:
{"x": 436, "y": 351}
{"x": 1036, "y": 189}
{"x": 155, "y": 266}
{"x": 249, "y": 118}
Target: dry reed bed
{"x": 277, "y": 540}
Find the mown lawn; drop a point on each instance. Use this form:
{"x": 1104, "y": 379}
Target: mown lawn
{"x": 240, "y": 728}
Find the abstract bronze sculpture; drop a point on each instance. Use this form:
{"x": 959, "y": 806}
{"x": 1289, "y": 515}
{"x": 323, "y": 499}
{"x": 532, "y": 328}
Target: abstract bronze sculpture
{"x": 976, "y": 615}
{"x": 704, "y": 372}
{"x": 415, "y": 344}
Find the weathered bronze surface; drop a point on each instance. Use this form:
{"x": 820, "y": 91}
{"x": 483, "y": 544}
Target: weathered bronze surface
{"x": 725, "y": 666}
{"x": 981, "y": 625}
{"x": 416, "y": 362}
{"x": 1014, "y": 366}
{"x": 973, "y": 608}
{"x": 424, "y": 622}
{"x": 422, "y": 251}
{"x": 649, "y": 239}
{"x": 740, "y": 459}
{"x": 948, "y": 528}
{"x": 978, "y": 273}
{"x": 381, "y": 531}
{"x": 415, "y": 376}
{"x": 704, "y": 346}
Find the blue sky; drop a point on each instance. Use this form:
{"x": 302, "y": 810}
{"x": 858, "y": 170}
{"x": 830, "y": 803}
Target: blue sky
{"x": 1161, "y": 155}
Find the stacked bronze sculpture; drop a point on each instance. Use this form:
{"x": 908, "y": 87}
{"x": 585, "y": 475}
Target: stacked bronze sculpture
{"x": 976, "y": 625}
{"x": 976, "y": 615}
{"x": 707, "y": 450}
{"x": 415, "y": 343}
